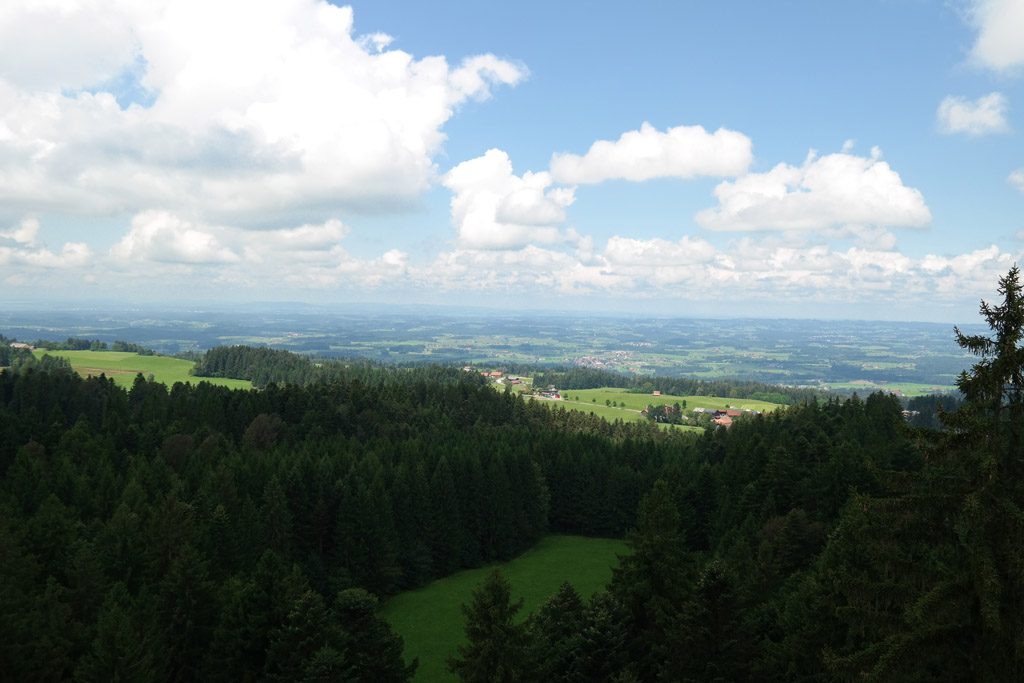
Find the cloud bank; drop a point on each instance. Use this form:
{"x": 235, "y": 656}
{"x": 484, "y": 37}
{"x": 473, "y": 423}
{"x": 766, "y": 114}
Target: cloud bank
{"x": 249, "y": 113}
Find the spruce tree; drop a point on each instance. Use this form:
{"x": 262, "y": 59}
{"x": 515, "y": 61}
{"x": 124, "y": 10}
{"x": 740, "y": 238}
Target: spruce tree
{"x": 930, "y": 579}
{"x": 496, "y": 647}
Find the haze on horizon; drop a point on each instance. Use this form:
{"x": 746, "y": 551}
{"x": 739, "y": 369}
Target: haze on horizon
{"x": 858, "y": 161}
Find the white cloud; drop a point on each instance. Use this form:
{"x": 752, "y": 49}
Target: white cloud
{"x": 30, "y": 31}
{"x": 492, "y": 208}
{"x": 1000, "y": 25}
{"x": 26, "y": 232}
{"x": 1017, "y": 179}
{"x": 27, "y": 253}
{"x": 160, "y": 246}
{"x": 252, "y": 113}
{"x": 830, "y": 191}
{"x": 627, "y": 251}
{"x": 744, "y": 270}
{"x": 164, "y": 238}
{"x": 680, "y": 152}
{"x": 982, "y": 116}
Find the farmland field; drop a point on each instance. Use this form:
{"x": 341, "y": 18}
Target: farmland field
{"x": 122, "y": 367}
{"x": 430, "y": 619}
{"x": 613, "y": 413}
{"x": 635, "y": 401}
{"x": 628, "y": 405}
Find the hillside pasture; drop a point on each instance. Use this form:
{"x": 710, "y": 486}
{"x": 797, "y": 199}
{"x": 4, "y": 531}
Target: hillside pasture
{"x": 629, "y": 404}
{"x": 635, "y": 401}
{"x": 430, "y": 619}
{"x": 611, "y": 413}
{"x": 122, "y": 367}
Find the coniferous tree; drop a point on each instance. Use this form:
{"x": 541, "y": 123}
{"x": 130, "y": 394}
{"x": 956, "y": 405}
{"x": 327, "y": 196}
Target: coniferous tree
{"x": 651, "y": 581}
{"x": 930, "y": 578}
{"x": 555, "y": 637}
{"x": 496, "y": 647}
{"x": 372, "y": 651}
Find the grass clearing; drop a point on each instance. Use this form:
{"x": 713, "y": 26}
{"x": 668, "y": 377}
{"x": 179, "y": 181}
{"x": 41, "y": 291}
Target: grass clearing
{"x": 629, "y": 404}
{"x": 430, "y": 619}
{"x": 122, "y": 367}
{"x": 634, "y": 401}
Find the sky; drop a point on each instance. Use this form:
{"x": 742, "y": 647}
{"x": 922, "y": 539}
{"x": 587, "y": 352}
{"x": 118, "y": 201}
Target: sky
{"x": 801, "y": 159}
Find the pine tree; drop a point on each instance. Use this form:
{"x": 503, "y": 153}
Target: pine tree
{"x": 930, "y": 579}
{"x": 650, "y": 582}
{"x": 373, "y": 652}
{"x": 124, "y": 648}
{"x": 496, "y": 647}
{"x": 710, "y": 642}
{"x": 555, "y": 636}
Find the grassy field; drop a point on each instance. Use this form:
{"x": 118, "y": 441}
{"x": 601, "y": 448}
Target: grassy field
{"x": 122, "y": 367}
{"x": 430, "y": 619}
{"x": 640, "y": 401}
{"x": 609, "y": 413}
{"x": 628, "y": 405}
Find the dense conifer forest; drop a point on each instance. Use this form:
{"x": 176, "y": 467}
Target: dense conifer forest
{"x": 200, "y": 533}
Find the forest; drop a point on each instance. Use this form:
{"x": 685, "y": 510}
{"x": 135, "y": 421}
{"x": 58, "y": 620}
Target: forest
{"x": 201, "y": 533}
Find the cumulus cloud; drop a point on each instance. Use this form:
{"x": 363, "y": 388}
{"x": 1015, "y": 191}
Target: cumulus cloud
{"x": 1017, "y": 179}
{"x": 982, "y": 116}
{"x": 1000, "y": 25}
{"x": 162, "y": 237}
{"x": 161, "y": 245}
{"x": 29, "y": 32}
{"x": 265, "y": 113}
{"x": 492, "y": 208}
{"x": 825, "y": 192}
{"x": 25, "y": 233}
{"x": 23, "y": 250}
{"x": 680, "y": 152}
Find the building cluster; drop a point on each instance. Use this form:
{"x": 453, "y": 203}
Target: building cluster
{"x": 724, "y": 418}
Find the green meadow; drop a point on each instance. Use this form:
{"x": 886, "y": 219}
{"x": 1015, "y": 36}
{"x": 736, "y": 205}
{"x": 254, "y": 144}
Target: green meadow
{"x": 430, "y": 619}
{"x": 628, "y": 405}
{"x": 634, "y": 401}
{"x": 611, "y": 413}
{"x": 122, "y": 367}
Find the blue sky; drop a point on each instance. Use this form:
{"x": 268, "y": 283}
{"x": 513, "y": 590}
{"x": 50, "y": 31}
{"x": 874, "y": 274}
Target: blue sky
{"x": 859, "y": 160}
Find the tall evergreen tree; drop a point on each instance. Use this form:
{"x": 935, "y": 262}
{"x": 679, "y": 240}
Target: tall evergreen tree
{"x": 555, "y": 637}
{"x": 931, "y": 579}
{"x": 372, "y": 652}
{"x": 496, "y": 647}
